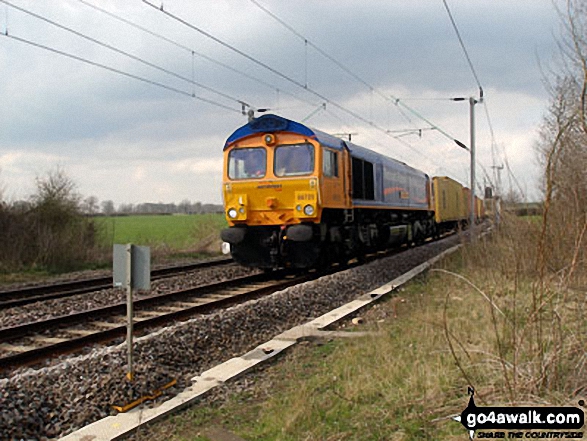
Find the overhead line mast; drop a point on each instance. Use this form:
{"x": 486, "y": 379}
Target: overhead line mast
{"x": 396, "y": 101}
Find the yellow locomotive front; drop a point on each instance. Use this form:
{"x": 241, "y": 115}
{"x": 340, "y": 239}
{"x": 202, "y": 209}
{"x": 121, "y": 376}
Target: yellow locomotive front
{"x": 271, "y": 180}
{"x": 272, "y": 197}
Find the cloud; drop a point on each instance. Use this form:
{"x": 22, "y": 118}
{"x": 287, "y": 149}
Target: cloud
{"x": 202, "y": 166}
{"x": 105, "y": 128}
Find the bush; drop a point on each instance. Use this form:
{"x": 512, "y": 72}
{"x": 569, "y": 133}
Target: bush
{"x": 49, "y": 231}
{"x": 563, "y": 153}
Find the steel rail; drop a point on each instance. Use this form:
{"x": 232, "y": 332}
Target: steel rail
{"x": 59, "y": 324}
{"x": 24, "y": 296}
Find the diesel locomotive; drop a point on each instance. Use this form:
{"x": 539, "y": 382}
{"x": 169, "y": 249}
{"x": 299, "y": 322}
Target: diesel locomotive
{"x": 298, "y": 197}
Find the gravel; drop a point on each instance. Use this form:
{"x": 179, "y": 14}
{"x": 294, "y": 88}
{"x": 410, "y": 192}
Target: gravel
{"x": 53, "y": 401}
{"x": 75, "y": 276}
{"x": 82, "y": 302}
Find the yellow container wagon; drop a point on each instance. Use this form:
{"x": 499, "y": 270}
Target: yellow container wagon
{"x": 479, "y": 209}
{"x": 449, "y": 206}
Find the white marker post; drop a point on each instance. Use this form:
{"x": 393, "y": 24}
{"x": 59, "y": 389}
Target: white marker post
{"x": 132, "y": 270}
{"x": 129, "y": 312}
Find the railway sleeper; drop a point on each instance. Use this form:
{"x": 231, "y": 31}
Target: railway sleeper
{"x": 7, "y": 347}
{"x": 106, "y": 325}
{"x": 82, "y": 332}
{"x": 48, "y": 340}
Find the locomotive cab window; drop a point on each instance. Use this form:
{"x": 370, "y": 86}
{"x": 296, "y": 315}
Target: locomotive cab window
{"x": 330, "y": 163}
{"x": 247, "y": 163}
{"x": 294, "y": 160}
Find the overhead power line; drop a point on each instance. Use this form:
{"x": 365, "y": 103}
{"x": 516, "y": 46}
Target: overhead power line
{"x": 396, "y": 101}
{"x": 288, "y": 78}
{"x": 474, "y": 72}
{"x": 118, "y": 71}
{"x": 193, "y": 52}
{"x": 126, "y": 54}
{"x": 492, "y": 134}
{"x": 513, "y": 176}
{"x": 226, "y": 45}
{"x": 348, "y": 129}
{"x": 454, "y": 25}
{"x": 309, "y": 43}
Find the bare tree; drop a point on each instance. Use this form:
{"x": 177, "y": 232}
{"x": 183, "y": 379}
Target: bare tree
{"x": 108, "y": 207}
{"x": 56, "y": 188}
{"x": 184, "y": 206}
{"x": 126, "y": 208}
{"x": 90, "y": 205}
{"x": 563, "y": 150}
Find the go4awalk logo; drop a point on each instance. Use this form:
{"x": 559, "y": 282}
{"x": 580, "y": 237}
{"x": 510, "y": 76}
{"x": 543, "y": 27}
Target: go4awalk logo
{"x": 522, "y": 422}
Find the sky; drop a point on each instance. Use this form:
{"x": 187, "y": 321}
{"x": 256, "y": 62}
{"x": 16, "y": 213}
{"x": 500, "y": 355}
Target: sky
{"x": 140, "y": 107}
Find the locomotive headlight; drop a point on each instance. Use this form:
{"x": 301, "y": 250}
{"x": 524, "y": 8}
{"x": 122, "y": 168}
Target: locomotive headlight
{"x": 232, "y": 213}
{"x": 308, "y": 210}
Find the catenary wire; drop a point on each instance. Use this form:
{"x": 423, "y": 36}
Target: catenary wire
{"x": 474, "y": 72}
{"x": 513, "y": 176}
{"x": 454, "y": 25}
{"x": 194, "y": 52}
{"x": 344, "y": 123}
{"x": 291, "y": 80}
{"x": 118, "y": 71}
{"x": 341, "y": 65}
{"x": 124, "y": 53}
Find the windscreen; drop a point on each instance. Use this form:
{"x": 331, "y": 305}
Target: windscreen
{"x": 294, "y": 160}
{"x": 247, "y": 163}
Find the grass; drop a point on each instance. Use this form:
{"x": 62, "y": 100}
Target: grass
{"x": 173, "y": 235}
{"x": 32, "y": 275}
{"x": 170, "y": 238}
{"x": 370, "y": 388}
{"x": 471, "y": 322}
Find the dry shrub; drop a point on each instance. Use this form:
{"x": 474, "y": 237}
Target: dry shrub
{"x": 531, "y": 275}
{"x": 563, "y": 154}
{"x": 205, "y": 235}
{"x": 532, "y": 333}
{"x": 49, "y": 231}
{"x": 13, "y": 225}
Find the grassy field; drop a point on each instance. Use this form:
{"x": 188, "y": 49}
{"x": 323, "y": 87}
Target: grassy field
{"x": 178, "y": 233}
{"x": 169, "y": 237}
{"x": 472, "y": 321}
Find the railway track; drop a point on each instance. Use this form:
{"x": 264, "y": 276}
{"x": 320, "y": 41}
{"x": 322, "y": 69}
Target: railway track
{"x": 25, "y": 296}
{"x": 36, "y": 342}
{"x": 80, "y": 389}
